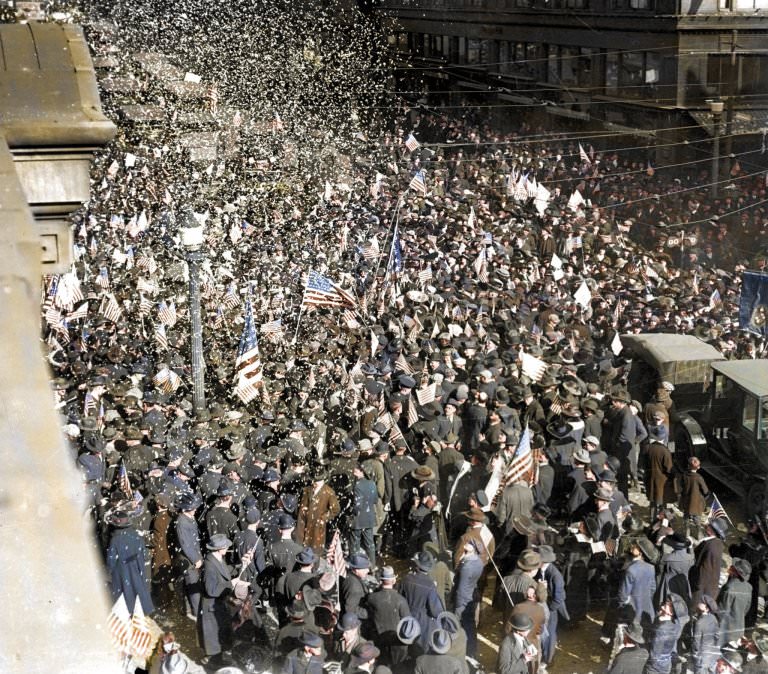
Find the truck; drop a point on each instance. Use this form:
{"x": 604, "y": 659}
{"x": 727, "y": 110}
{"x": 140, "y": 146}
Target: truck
{"x": 720, "y": 408}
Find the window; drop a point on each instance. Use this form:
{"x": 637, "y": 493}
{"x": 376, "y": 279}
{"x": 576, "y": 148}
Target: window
{"x": 553, "y": 64}
{"x": 749, "y": 414}
{"x": 611, "y": 72}
{"x": 474, "y": 51}
{"x": 569, "y": 65}
{"x": 748, "y": 76}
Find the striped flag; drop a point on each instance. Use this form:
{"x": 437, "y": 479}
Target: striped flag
{"x": 122, "y": 481}
{"x": 167, "y": 313}
{"x": 427, "y": 395}
{"x": 481, "y": 266}
{"x": 119, "y": 625}
{"x": 102, "y": 279}
{"x": 218, "y": 321}
{"x": 419, "y": 182}
{"x": 146, "y": 286}
{"x": 145, "y": 305}
{"x": 322, "y": 292}
{"x": 716, "y": 509}
{"x": 272, "y": 327}
{"x": 425, "y": 275}
{"x": 140, "y": 645}
{"x": 715, "y": 299}
{"x": 248, "y": 364}
{"x": 522, "y": 461}
{"x": 52, "y": 316}
{"x": 80, "y": 312}
{"x": 110, "y": 309}
{"x": 413, "y": 415}
{"x": 335, "y": 555}
{"x": 583, "y": 155}
{"x": 89, "y": 404}
{"x": 532, "y": 367}
{"x": 160, "y": 337}
{"x": 371, "y": 249}
{"x": 350, "y": 320}
{"x": 411, "y": 143}
{"x": 231, "y": 299}
{"x": 472, "y": 220}
{"x": 401, "y": 365}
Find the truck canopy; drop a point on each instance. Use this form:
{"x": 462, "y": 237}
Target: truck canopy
{"x": 751, "y": 375}
{"x": 679, "y": 359}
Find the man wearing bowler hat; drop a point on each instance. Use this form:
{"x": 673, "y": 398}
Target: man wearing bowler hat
{"x": 515, "y": 652}
{"x": 633, "y": 655}
{"x": 386, "y": 607}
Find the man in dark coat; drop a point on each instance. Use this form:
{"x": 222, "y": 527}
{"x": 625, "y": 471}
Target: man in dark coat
{"x": 550, "y": 574}
{"x": 705, "y": 638}
{"x": 420, "y": 593}
{"x": 621, "y": 436}
{"x": 187, "y": 552}
{"x": 465, "y": 593}
{"x": 220, "y": 519}
{"x": 515, "y": 652}
{"x": 734, "y": 600}
{"x": 364, "y": 514}
{"x": 126, "y": 563}
{"x": 386, "y": 607}
{"x": 708, "y": 555}
{"x": 352, "y": 588}
{"x": 214, "y": 622}
{"x": 632, "y": 657}
{"x": 437, "y": 660}
{"x": 400, "y": 467}
{"x": 638, "y": 584}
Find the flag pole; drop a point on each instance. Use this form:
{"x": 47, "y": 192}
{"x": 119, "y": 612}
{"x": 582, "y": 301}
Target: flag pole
{"x": 385, "y": 285}
{"x": 395, "y": 220}
{"x": 301, "y": 311}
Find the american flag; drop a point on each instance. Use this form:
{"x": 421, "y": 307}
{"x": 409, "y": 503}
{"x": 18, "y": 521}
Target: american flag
{"x": 160, "y": 337}
{"x": 248, "y": 364}
{"x": 716, "y": 509}
{"x": 167, "y": 313}
{"x": 122, "y": 481}
{"x": 532, "y": 367}
{"x": 481, "y": 266}
{"x": 350, "y": 319}
{"x": 427, "y": 395}
{"x": 397, "y": 253}
{"x": 522, "y": 461}
{"x": 79, "y": 312}
{"x": 371, "y": 249}
{"x": 89, "y": 404}
{"x": 231, "y": 298}
{"x": 419, "y": 182}
{"x": 401, "y": 365}
{"x": 272, "y": 327}
{"x": 617, "y": 313}
{"x": 322, "y": 292}
{"x": 146, "y": 262}
{"x": 714, "y": 299}
{"x": 218, "y": 321}
{"x": 413, "y": 414}
{"x": 583, "y": 155}
{"x": 140, "y": 645}
{"x": 335, "y": 555}
{"x": 411, "y": 143}
{"x": 119, "y": 625}
{"x": 532, "y": 188}
{"x": 146, "y": 286}
{"x": 425, "y": 275}
{"x": 521, "y": 190}
{"x": 52, "y": 316}
{"x": 110, "y": 309}
{"x": 145, "y": 305}
{"x": 102, "y": 279}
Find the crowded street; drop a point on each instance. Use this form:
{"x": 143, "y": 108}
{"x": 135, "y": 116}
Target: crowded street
{"x": 355, "y": 380}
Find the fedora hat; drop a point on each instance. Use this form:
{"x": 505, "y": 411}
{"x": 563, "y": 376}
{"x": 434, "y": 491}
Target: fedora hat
{"x": 120, "y": 519}
{"x": 311, "y": 639}
{"x": 581, "y": 455}
{"x": 547, "y": 554}
{"x": 424, "y": 561}
{"x": 359, "y": 562}
{"x": 306, "y": 557}
{"x": 365, "y": 651}
{"x": 523, "y": 525}
{"x": 348, "y": 621}
{"x": 604, "y": 494}
{"x": 529, "y": 560}
{"x": 635, "y": 633}
{"x": 219, "y": 542}
{"x": 475, "y": 515}
{"x": 422, "y": 474}
{"x": 743, "y": 568}
{"x": 440, "y": 641}
{"x": 558, "y": 428}
{"x": 408, "y": 630}
{"x": 387, "y": 573}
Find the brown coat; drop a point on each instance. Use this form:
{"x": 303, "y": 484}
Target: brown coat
{"x": 660, "y": 465}
{"x": 483, "y": 551}
{"x": 315, "y": 511}
{"x": 161, "y": 557}
{"x": 693, "y": 493}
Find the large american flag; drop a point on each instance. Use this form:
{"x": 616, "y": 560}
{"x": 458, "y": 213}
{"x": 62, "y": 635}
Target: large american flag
{"x": 248, "y": 364}
{"x": 522, "y": 461}
{"x": 322, "y": 292}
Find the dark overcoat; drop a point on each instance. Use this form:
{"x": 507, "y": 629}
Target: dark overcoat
{"x": 214, "y": 622}
{"x": 126, "y": 562}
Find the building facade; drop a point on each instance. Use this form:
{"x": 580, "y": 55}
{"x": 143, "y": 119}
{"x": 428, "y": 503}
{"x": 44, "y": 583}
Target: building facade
{"x": 642, "y": 67}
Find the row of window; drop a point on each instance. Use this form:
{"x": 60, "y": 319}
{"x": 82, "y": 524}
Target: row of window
{"x": 638, "y": 74}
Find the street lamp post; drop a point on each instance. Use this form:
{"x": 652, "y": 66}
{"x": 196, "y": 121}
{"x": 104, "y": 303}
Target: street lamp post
{"x": 716, "y": 107}
{"x": 192, "y": 240}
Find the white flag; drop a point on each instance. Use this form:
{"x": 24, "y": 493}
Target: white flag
{"x": 583, "y": 296}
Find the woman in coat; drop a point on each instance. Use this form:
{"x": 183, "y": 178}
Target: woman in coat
{"x": 672, "y": 617}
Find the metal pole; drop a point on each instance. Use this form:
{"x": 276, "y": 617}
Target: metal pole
{"x": 194, "y": 258}
{"x": 715, "y": 154}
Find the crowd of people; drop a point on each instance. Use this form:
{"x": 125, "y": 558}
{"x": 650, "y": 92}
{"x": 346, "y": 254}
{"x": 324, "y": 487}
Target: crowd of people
{"x": 465, "y": 413}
